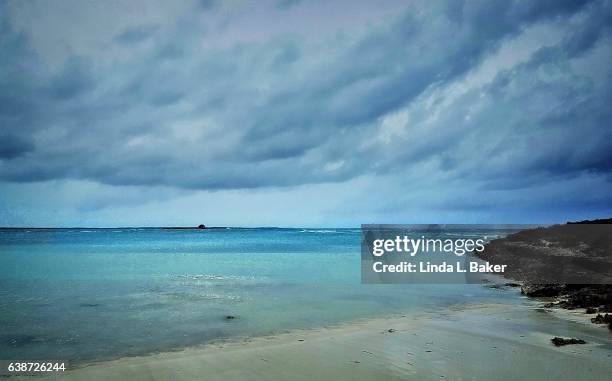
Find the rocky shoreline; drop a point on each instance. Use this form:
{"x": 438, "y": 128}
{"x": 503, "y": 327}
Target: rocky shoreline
{"x": 594, "y": 299}
{"x": 566, "y": 266}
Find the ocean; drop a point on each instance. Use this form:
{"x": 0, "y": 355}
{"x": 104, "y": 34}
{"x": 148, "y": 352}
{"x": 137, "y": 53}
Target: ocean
{"x": 96, "y": 294}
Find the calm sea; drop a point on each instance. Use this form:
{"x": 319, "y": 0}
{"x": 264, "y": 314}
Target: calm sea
{"x": 94, "y": 294}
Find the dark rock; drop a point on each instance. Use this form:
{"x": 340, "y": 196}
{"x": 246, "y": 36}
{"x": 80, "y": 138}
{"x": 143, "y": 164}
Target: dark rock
{"x": 584, "y": 296}
{"x": 390, "y": 330}
{"x": 230, "y": 317}
{"x": 201, "y": 226}
{"x": 602, "y": 319}
{"x": 560, "y": 341}
{"x": 606, "y": 221}
{"x": 572, "y": 254}
{"x": 20, "y": 340}
{"x": 591, "y": 310}
{"x": 89, "y": 305}
{"x": 542, "y": 290}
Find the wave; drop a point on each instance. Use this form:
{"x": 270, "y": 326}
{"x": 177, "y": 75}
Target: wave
{"x": 187, "y": 296}
{"x": 214, "y": 277}
{"x": 225, "y": 280}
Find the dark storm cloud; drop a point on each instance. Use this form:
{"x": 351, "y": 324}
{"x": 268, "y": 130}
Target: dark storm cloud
{"x": 14, "y": 146}
{"x": 288, "y": 111}
{"x": 72, "y": 81}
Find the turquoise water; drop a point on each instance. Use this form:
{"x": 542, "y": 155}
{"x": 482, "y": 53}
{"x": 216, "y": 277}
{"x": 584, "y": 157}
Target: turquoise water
{"x": 94, "y": 294}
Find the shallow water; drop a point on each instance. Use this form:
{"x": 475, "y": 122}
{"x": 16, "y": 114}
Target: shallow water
{"x": 94, "y": 294}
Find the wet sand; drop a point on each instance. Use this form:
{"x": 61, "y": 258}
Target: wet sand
{"x": 491, "y": 342}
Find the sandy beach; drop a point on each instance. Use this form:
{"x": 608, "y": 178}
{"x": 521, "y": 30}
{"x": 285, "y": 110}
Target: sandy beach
{"x": 486, "y": 342}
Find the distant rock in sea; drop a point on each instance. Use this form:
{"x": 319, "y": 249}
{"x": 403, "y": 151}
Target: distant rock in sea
{"x": 201, "y": 226}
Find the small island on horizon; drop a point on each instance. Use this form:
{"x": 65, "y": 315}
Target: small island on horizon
{"x": 200, "y": 227}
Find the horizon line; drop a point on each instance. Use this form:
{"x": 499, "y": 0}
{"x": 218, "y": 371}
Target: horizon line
{"x": 266, "y": 227}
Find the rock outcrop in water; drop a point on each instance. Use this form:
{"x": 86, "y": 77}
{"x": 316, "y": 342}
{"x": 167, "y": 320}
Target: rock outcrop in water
{"x": 201, "y": 226}
{"x": 560, "y": 341}
{"x": 571, "y": 264}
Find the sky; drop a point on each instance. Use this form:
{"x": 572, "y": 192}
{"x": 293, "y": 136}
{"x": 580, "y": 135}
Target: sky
{"x": 304, "y": 113}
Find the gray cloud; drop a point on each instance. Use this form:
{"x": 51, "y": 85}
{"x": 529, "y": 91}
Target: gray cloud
{"x": 14, "y": 146}
{"x": 207, "y": 5}
{"x": 286, "y": 4}
{"x": 290, "y": 111}
{"x": 136, "y": 34}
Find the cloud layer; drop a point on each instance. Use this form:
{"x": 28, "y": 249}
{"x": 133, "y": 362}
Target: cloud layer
{"x": 489, "y": 96}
